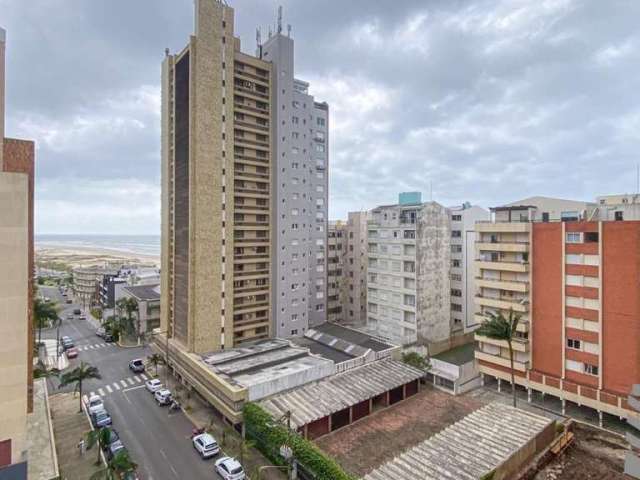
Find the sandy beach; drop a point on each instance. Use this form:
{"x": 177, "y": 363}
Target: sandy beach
{"x": 77, "y": 256}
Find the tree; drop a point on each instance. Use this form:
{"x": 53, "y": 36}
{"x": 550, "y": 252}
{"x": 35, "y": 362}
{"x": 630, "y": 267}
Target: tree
{"x": 100, "y": 437}
{"x": 121, "y": 463}
{"x": 499, "y": 327}
{"x": 129, "y": 305}
{"x": 78, "y": 375}
{"x": 156, "y": 359}
{"x": 41, "y": 371}
{"x": 416, "y": 360}
{"x": 44, "y": 314}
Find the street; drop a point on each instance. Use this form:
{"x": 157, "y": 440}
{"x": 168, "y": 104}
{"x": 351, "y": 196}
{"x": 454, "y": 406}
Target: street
{"x": 158, "y": 441}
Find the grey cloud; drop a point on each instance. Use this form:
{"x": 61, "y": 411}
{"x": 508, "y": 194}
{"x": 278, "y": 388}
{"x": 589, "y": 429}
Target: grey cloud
{"x": 487, "y": 101}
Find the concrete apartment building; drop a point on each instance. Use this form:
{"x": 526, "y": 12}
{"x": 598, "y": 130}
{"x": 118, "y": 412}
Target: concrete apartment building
{"x": 355, "y": 269}
{"x": 336, "y": 275}
{"x": 572, "y": 272}
{"x": 16, "y": 292}
{"x": 408, "y": 278}
{"x": 299, "y": 196}
{"x": 463, "y": 220}
{"x": 216, "y": 189}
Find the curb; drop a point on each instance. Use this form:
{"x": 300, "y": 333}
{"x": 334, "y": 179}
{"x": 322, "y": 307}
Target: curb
{"x": 56, "y": 467}
{"x": 97, "y": 445}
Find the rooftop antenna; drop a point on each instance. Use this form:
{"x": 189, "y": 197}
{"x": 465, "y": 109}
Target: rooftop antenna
{"x": 280, "y": 19}
{"x": 259, "y": 42}
{"x": 288, "y": 30}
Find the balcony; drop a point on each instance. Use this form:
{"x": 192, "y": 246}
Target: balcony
{"x": 519, "y": 267}
{"x": 519, "y": 345}
{"x": 519, "y": 247}
{"x": 500, "y": 227}
{"x": 503, "y": 362}
{"x": 510, "y": 285}
{"x": 523, "y": 325}
{"x": 502, "y": 303}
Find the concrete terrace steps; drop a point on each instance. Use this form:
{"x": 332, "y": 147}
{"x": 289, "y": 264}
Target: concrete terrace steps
{"x": 468, "y": 449}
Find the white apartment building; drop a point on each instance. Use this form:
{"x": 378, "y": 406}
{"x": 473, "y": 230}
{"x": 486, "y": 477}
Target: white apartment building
{"x": 299, "y": 201}
{"x": 408, "y": 278}
{"x": 463, "y": 287}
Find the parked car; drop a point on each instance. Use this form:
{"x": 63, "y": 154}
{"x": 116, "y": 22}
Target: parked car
{"x": 68, "y": 300}
{"x": 77, "y": 311}
{"x": 67, "y": 342}
{"x": 153, "y": 385}
{"x": 94, "y": 404}
{"x": 163, "y": 396}
{"x": 113, "y": 439}
{"x": 72, "y": 352}
{"x": 100, "y": 418}
{"x": 69, "y": 316}
{"x": 136, "y": 365}
{"x": 101, "y": 332}
{"x": 108, "y": 338}
{"x": 206, "y": 445}
{"x": 82, "y": 317}
{"x": 114, "y": 448}
{"x": 229, "y": 469}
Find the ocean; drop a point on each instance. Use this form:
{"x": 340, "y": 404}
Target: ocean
{"x": 137, "y": 244}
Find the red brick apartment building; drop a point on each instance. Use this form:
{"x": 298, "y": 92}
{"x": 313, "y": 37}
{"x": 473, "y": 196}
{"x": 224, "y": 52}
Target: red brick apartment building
{"x": 572, "y": 271}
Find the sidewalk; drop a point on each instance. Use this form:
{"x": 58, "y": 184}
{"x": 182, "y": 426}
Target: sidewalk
{"x": 43, "y": 461}
{"x": 69, "y": 426}
{"x": 51, "y": 360}
{"x": 202, "y": 415}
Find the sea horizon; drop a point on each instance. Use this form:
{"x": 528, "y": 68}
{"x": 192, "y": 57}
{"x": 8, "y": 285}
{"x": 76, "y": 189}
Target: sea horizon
{"x": 135, "y": 244}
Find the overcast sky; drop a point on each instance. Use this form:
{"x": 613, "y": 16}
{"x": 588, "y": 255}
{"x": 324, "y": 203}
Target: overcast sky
{"x": 488, "y": 101}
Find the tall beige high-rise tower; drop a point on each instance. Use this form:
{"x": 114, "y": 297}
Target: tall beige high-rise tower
{"x": 216, "y": 189}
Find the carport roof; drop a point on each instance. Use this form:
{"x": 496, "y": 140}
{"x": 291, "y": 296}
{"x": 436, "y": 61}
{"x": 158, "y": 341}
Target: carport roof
{"x": 468, "y": 449}
{"x": 321, "y": 398}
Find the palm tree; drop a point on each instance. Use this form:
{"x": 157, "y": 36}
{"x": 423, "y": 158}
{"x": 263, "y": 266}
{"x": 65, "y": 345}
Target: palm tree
{"x": 44, "y": 314}
{"x": 41, "y": 371}
{"x": 129, "y": 305}
{"x": 120, "y": 463}
{"x": 498, "y": 327}
{"x": 78, "y": 375}
{"x": 155, "y": 360}
{"x": 100, "y": 437}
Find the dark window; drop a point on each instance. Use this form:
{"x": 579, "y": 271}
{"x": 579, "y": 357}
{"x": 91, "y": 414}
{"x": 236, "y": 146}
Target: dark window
{"x": 591, "y": 237}
{"x": 619, "y": 216}
{"x": 545, "y": 216}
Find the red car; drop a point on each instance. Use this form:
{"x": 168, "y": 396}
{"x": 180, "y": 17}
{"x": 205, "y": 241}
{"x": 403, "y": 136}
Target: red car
{"x": 72, "y": 352}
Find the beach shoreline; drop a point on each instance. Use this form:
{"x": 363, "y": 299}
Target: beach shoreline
{"x": 86, "y": 256}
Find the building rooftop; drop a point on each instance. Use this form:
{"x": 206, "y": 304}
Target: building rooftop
{"x": 347, "y": 335}
{"x": 459, "y": 355}
{"x": 321, "y": 398}
{"x": 468, "y": 449}
{"x": 144, "y": 292}
{"x": 265, "y": 361}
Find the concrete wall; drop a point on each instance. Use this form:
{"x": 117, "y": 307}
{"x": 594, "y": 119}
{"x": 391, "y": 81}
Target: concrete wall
{"x": 14, "y": 308}
{"x": 433, "y": 245}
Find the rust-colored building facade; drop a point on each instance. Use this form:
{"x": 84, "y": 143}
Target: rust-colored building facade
{"x": 579, "y": 294}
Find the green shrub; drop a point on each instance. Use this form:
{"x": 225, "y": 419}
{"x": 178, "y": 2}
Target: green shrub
{"x": 269, "y": 436}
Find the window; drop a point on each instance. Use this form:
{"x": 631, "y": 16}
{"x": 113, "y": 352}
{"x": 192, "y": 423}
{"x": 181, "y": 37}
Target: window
{"x": 294, "y": 286}
{"x": 455, "y": 263}
{"x": 619, "y": 216}
{"x": 590, "y": 369}
{"x": 321, "y": 122}
{"x": 294, "y": 120}
{"x": 456, "y": 277}
{"x": 569, "y": 216}
{"x": 295, "y": 104}
{"x": 456, "y": 218}
{"x": 591, "y": 237}
{"x": 572, "y": 343}
{"x": 456, "y": 234}
{"x": 294, "y": 331}
{"x": 456, "y": 307}
{"x": 574, "y": 237}
{"x": 456, "y": 248}
{"x": 455, "y": 292}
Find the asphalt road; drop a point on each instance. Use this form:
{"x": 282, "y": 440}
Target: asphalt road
{"x": 158, "y": 441}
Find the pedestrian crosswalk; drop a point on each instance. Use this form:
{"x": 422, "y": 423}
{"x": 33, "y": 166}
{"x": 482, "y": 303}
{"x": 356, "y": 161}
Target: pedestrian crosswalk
{"x": 128, "y": 382}
{"x": 95, "y": 346}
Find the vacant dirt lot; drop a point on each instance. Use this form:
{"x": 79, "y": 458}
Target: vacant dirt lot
{"x": 373, "y": 440}
{"x": 595, "y": 454}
